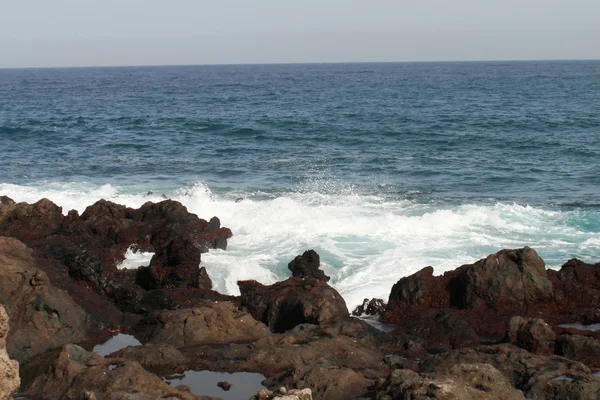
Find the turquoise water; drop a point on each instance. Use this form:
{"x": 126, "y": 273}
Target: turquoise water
{"x": 381, "y": 168}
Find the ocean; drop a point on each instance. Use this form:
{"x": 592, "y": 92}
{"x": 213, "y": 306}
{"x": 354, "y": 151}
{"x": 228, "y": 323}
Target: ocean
{"x": 383, "y": 169}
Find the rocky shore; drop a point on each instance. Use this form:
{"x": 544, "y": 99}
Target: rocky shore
{"x": 488, "y": 330}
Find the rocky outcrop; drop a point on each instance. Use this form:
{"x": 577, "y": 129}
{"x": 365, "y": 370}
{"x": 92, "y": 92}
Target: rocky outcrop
{"x": 77, "y": 374}
{"x": 531, "y": 334}
{"x": 80, "y": 254}
{"x": 488, "y": 293}
{"x": 461, "y": 381}
{"x": 210, "y": 323}
{"x": 42, "y": 316}
{"x": 307, "y": 266}
{"x": 581, "y": 348}
{"x": 537, "y": 376}
{"x": 372, "y": 307}
{"x": 9, "y": 369}
{"x": 295, "y": 301}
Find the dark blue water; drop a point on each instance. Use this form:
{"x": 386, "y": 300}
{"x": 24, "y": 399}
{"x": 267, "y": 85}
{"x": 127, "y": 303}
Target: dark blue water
{"x": 449, "y": 160}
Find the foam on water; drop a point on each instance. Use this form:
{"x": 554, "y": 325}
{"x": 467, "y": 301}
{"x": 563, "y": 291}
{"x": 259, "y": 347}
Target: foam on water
{"x": 366, "y": 242}
{"x": 134, "y": 259}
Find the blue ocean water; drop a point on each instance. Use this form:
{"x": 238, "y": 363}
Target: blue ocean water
{"x": 381, "y": 168}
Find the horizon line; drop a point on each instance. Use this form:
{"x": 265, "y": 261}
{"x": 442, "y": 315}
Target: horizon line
{"x": 305, "y": 63}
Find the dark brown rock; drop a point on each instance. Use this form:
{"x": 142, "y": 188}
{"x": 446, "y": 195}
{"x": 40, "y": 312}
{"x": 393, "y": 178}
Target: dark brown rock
{"x": 580, "y": 348}
{"x": 373, "y": 307}
{"x": 307, "y": 266}
{"x": 295, "y": 301}
{"x": 531, "y": 334}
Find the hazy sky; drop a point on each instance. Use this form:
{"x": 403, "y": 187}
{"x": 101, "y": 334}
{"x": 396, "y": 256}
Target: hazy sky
{"x": 150, "y": 32}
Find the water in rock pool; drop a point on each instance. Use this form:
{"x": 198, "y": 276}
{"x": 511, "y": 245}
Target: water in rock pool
{"x": 204, "y": 383}
{"x": 381, "y": 168}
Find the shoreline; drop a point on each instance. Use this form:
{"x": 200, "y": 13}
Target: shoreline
{"x": 493, "y": 324}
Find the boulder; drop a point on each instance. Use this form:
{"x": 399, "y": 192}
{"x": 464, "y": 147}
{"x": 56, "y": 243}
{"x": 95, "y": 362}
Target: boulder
{"x": 77, "y": 374}
{"x": 210, "y": 323}
{"x": 537, "y": 376}
{"x": 373, "y": 307}
{"x": 461, "y": 381}
{"x": 307, "y": 266}
{"x": 9, "y": 369}
{"x": 531, "y": 334}
{"x": 42, "y": 316}
{"x": 580, "y": 348}
{"x": 295, "y": 301}
{"x": 284, "y": 394}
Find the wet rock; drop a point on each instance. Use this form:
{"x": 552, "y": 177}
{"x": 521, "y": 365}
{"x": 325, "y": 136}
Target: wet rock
{"x": 224, "y": 385}
{"x": 373, "y": 307}
{"x": 531, "y": 334}
{"x": 576, "y": 284}
{"x": 295, "y": 301}
{"x": 209, "y": 323}
{"x": 42, "y": 316}
{"x": 461, "y": 381}
{"x": 9, "y": 369}
{"x": 77, "y": 373}
{"x": 580, "y": 348}
{"x": 307, "y": 266}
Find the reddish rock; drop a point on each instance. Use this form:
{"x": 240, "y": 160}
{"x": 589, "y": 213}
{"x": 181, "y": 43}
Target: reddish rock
{"x": 373, "y": 307}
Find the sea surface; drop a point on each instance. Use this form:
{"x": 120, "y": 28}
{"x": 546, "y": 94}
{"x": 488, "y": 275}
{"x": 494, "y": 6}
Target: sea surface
{"x": 383, "y": 169}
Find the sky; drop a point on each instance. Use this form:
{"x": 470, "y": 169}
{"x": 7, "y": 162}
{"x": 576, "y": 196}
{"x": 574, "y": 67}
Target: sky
{"x": 59, "y": 33}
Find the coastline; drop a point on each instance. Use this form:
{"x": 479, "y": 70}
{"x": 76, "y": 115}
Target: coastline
{"x": 497, "y": 320}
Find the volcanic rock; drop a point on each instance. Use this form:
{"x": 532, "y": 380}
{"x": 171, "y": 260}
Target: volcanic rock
{"x": 209, "y": 323}
{"x": 461, "y": 381}
{"x": 77, "y": 374}
{"x": 42, "y": 316}
{"x": 307, "y": 266}
{"x": 9, "y": 369}
{"x": 373, "y": 307}
{"x": 295, "y": 301}
{"x": 531, "y": 334}
{"x": 580, "y": 348}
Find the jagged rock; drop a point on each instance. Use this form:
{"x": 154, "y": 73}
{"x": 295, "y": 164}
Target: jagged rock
{"x": 486, "y": 293}
{"x": 531, "y": 334}
{"x": 295, "y": 301}
{"x": 373, "y": 307}
{"x": 307, "y": 266}
{"x": 209, "y": 323}
{"x": 42, "y": 316}
{"x": 461, "y": 381}
{"x": 9, "y": 369}
{"x": 76, "y": 374}
{"x": 580, "y": 348}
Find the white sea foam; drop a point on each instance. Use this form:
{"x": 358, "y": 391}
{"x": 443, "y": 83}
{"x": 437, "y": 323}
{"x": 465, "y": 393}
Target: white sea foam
{"x": 134, "y": 259}
{"x": 366, "y": 242}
